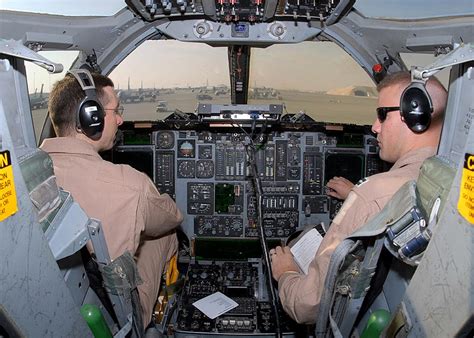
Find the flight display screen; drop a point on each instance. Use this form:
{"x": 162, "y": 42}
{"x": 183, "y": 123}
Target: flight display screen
{"x": 140, "y": 158}
{"x": 347, "y": 165}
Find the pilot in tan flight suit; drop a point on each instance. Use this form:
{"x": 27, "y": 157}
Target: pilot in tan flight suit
{"x": 135, "y": 216}
{"x": 299, "y": 293}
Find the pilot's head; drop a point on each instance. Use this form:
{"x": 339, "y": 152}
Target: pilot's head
{"x": 394, "y": 136}
{"x": 64, "y": 101}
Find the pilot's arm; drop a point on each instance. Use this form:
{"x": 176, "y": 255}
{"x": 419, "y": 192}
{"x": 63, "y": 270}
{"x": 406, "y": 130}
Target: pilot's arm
{"x": 160, "y": 211}
{"x": 300, "y": 294}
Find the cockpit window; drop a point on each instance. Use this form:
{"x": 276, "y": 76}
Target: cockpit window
{"x": 65, "y": 7}
{"x": 302, "y": 78}
{"x": 40, "y": 82}
{"x": 409, "y": 9}
{"x": 316, "y": 78}
{"x": 163, "y": 76}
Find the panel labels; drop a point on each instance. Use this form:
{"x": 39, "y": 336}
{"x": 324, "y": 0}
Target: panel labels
{"x": 466, "y": 190}
{"x": 8, "y": 203}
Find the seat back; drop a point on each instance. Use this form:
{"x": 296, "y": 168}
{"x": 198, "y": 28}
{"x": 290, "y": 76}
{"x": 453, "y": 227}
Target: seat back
{"x": 67, "y": 229}
{"x": 354, "y": 280}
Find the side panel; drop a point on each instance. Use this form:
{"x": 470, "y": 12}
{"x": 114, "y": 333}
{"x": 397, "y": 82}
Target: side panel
{"x": 33, "y": 296}
{"x": 440, "y": 299}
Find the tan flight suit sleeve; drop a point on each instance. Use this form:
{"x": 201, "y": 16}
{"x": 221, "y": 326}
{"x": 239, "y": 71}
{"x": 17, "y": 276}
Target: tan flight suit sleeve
{"x": 300, "y": 294}
{"x": 161, "y": 213}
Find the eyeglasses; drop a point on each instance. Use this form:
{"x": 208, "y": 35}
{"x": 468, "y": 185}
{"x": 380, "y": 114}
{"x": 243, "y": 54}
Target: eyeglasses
{"x": 118, "y": 111}
{"x": 383, "y": 111}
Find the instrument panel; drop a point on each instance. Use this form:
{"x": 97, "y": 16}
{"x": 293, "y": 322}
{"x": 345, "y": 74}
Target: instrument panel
{"x": 240, "y": 281}
{"x": 209, "y": 174}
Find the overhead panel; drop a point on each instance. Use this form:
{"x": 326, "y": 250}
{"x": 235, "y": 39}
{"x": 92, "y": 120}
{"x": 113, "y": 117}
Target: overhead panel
{"x": 233, "y": 11}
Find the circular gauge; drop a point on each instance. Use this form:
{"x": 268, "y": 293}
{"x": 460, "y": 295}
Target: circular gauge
{"x": 204, "y": 169}
{"x": 186, "y": 149}
{"x": 165, "y": 140}
{"x": 186, "y": 169}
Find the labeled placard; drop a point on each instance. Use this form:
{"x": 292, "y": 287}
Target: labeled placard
{"x": 8, "y": 203}
{"x": 466, "y": 190}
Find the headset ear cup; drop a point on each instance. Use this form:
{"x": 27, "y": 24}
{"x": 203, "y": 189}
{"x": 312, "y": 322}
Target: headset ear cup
{"x": 416, "y": 107}
{"x": 90, "y": 114}
{"x": 91, "y": 119}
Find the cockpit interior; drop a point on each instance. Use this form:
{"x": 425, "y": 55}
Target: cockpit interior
{"x": 241, "y": 111}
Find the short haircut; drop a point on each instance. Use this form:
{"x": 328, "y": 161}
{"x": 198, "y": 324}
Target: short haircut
{"x": 402, "y": 79}
{"x": 65, "y": 98}
{"x": 434, "y": 88}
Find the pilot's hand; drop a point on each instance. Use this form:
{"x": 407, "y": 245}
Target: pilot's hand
{"x": 282, "y": 261}
{"x": 339, "y": 187}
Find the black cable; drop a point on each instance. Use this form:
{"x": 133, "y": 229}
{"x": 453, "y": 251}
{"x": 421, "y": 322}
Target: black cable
{"x": 252, "y": 131}
{"x": 265, "y": 251}
{"x": 261, "y": 231}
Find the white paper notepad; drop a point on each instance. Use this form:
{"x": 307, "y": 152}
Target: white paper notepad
{"x": 305, "y": 249}
{"x": 214, "y": 305}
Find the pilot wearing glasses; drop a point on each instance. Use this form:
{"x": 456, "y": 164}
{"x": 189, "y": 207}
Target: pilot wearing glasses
{"x": 299, "y": 293}
{"x": 135, "y": 216}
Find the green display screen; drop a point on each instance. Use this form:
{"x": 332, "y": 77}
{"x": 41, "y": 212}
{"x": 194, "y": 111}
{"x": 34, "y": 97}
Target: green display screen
{"x": 225, "y": 197}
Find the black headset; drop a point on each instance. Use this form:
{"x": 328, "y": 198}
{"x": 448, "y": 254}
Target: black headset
{"x": 416, "y": 107}
{"x": 90, "y": 113}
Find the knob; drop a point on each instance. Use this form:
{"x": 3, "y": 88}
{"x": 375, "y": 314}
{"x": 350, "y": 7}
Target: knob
{"x": 276, "y": 30}
{"x": 202, "y": 29}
